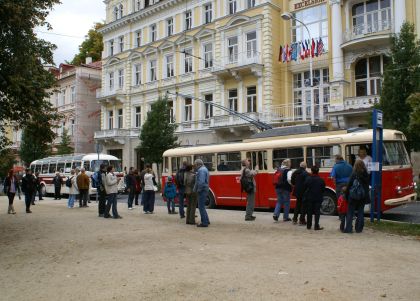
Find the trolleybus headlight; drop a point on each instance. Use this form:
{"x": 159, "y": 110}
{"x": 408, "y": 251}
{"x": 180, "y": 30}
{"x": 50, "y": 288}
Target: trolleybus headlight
{"x": 399, "y": 190}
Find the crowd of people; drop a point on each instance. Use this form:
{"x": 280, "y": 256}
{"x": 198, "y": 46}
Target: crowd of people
{"x": 191, "y": 182}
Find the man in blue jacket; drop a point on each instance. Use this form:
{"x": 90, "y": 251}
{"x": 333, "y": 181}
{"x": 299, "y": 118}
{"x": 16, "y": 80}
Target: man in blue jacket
{"x": 341, "y": 174}
{"x": 202, "y": 188}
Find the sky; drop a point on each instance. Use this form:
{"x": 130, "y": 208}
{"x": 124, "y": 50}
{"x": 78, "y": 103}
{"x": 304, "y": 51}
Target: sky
{"x": 71, "y": 20}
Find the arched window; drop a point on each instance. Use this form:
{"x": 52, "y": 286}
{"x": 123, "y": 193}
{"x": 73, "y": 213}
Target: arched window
{"x": 115, "y": 13}
{"x": 368, "y": 75}
{"x": 121, "y": 8}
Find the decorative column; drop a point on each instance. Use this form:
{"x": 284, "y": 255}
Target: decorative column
{"x": 399, "y": 14}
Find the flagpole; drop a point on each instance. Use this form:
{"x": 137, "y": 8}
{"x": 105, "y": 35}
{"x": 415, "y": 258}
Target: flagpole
{"x": 288, "y": 16}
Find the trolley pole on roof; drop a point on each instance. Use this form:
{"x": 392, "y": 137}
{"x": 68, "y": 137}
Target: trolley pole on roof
{"x": 376, "y": 165}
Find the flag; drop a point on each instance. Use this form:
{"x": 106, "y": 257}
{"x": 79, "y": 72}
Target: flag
{"x": 316, "y": 48}
{"x": 307, "y": 51}
{"x": 289, "y": 54}
{"x": 313, "y": 48}
{"x": 294, "y": 52}
{"x": 280, "y": 53}
{"x": 320, "y": 47}
{"x": 302, "y": 51}
{"x": 284, "y": 54}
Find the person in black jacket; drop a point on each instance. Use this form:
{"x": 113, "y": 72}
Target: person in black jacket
{"x": 360, "y": 173}
{"x": 314, "y": 190}
{"x": 130, "y": 183}
{"x": 298, "y": 181}
{"x": 29, "y": 188}
{"x": 58, "y": 182}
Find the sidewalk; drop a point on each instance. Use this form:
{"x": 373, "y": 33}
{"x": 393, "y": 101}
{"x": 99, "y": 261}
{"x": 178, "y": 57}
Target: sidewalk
{"x": 57, "y": 253}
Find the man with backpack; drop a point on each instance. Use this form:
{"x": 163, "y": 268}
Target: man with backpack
{"x": 341, "y": 173}
{"x": 283, "y": 189}
{"x": 98, "y": 180}
{"x": 298, "y": 182}
{"x": 181, "y": 188}
{"x": 248, "y": 185}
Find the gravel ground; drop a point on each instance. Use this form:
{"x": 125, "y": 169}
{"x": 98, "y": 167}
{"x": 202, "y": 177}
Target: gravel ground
{"x": 57, "y": 253}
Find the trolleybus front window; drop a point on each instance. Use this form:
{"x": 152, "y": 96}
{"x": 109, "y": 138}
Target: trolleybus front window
{"x": 394, "y": 153}
{"x": 76, "y": 164}
{"x": 53, "y": 167}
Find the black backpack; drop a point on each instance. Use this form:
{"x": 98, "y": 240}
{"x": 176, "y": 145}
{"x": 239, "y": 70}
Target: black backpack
{"x": 180, "y": 177}
{"x": 68, "y": 182}
{"x": 357, "y": 192}
{"x": 247, "y": 185}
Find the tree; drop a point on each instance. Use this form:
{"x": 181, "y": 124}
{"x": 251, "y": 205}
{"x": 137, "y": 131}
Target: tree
{"x": 7, "y": 159}
{"x": 414, "y": 124}
{"x": 36, "y": 141}
{"x": 402, "y": 79}
{"x": 64, "y": 148}
{"x": 157, "y": 133}
{"x": 92, "y": 46}
{"x": 24, "y": 81}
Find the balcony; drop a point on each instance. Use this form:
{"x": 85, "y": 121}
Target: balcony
{"x": 66, "y": 107}
{"x": 374, "y": 33}
{"x": 116, "y": 135}
{"x": 110, "y": 96}
{"x": 356, "y": 104}
{"x": 238, "y": 64}
{"x": 295, "y": 113}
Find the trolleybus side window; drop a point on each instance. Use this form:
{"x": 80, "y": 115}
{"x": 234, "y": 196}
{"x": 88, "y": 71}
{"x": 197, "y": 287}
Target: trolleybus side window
{"x": 177, "y": 162}
{"x": 229, "y": 161}
{"x": 322, "y": 156}
{"x": 258, "y": 158}
{"x": 86, "y": 165}
{"x": 67, "y": 169}
{"x": 165, "y": 164}
{"x": 209, "y": 160}
{"x": 44, "y": 168}
{"x": 60, "y": 167}
{"x": 352, "y": 152}
{"x": 76, "y": 164}
{"x": 394, "y": 153}
{"x": 294, "y": 154}
{"x": 38, "y": 168}
{"x": 53, "y": 167}
{"x": 117, "y": 165}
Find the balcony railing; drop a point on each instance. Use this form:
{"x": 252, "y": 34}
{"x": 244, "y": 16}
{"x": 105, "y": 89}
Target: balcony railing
{"x": 369, "y": 28}
{"x": 237, "y": 60}
{"x": 103, "y": 93}
{"x": 353, "y": 103}
{"x": 117, "y": 133}
{"x": 295, "y": 113}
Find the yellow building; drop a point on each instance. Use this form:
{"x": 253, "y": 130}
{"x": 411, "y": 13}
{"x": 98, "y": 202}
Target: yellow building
{"x": 227, "y": 52}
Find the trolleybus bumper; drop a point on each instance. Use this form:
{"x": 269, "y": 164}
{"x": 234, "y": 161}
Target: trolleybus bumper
{"x": 403, "y": 200}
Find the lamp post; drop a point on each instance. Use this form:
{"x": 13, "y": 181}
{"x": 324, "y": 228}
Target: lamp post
{"x": 288, "y": 16}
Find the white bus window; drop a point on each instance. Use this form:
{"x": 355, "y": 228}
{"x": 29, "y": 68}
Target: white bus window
{"x": 165, "y": 164}
{"x": 67, "y": 169}
{"x": 322, "y": 156}
{"x": 209, "y": 160}
{"x": 53, "y": 167}
{"x": 352, "y": 151}
{"x": 86, "y": 165}
{"x": 117, "y": 165}
{"x": 294, "y": 154}
{"x": 229, "y": 161}
{"x": 44, "y": 168}
{"x": 60, "y": 167}
{"x": 38, "y": 168}
{"x": 76, "y": 164}
{"x": 177, "y": 162}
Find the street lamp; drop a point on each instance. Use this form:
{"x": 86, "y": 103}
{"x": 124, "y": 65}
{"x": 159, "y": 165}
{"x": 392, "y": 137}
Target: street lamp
{"x": 288, "y": 16}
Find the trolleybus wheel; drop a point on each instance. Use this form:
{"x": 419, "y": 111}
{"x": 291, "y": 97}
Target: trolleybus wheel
{"x": 210, "y": 203}
{"x": 329, "y": 204}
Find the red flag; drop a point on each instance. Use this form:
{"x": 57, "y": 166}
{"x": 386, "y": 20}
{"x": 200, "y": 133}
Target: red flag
{"x": 320, "y": 46}
{"x": 313, "y": 48}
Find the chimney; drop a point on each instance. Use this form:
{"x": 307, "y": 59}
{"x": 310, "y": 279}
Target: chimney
{"x": 88, "y": 60}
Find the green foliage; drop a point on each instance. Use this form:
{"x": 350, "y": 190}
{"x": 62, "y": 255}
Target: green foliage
{"x": 7, "y": 159}
{"x": 402, "y": 79}
{"x": 92, "y": 46}
{"x": 157, "y": 134}
{"x": 37, "y": 137}
{"x": 414, "y": 102}
{"x": 24, "y": 80}
{"x": 64, "y": 148}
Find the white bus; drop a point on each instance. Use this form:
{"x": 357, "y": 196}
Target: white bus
{"x": 47, "y": 167}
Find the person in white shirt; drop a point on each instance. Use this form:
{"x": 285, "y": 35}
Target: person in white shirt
{"x": 111, "y": 188}
{"x": 362, "y": 155}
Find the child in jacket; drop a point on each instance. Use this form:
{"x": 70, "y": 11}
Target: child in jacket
{"x": 169, "y": 193}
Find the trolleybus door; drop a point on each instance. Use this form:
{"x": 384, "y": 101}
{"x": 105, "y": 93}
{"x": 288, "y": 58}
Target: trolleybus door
{"x": 259, "y": 159}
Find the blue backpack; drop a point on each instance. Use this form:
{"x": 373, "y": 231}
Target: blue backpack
{"x": 96, "y": 180}
{"x": 357, "y": 192}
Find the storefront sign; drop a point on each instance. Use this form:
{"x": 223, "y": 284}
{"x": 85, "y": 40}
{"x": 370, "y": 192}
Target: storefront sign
{"x": 306, "y": 3}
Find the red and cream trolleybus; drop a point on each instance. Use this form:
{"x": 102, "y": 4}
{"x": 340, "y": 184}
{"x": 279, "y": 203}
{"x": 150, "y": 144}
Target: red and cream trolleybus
{"x": 224, "y": 164}
{"x": 47, "y": 168}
